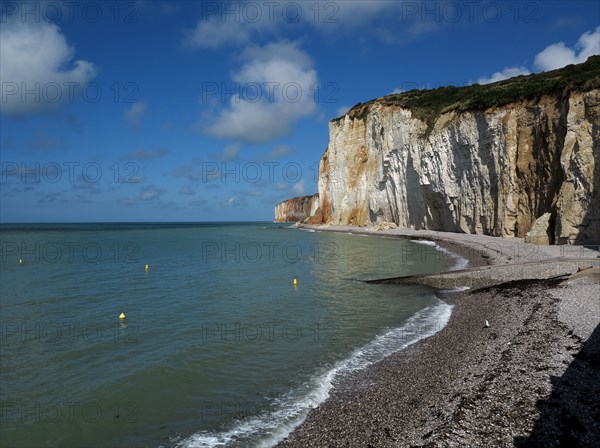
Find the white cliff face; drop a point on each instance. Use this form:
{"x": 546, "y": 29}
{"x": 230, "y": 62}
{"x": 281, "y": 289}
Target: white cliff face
{"x": 296, "y": 209}
{"x": 489, "y": 172}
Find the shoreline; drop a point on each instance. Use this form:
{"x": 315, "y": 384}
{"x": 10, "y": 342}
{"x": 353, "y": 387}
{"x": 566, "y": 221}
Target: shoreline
{"x": 522, "y": 381}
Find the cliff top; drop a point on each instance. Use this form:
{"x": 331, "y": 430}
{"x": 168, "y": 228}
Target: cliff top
{"x": 428, "y": 105}
{"x": 298, "y": 199}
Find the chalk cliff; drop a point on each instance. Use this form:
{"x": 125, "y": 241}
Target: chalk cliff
{"x": 296, "y": 209}
{"x": 480, "y": 159}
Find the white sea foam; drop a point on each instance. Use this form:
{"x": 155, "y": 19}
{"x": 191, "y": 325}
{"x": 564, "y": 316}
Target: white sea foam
{"x": 291, "y": 409}
{"x": 426, "y": 242}
{"x": 456, "y": 290}
{"x": 461, "y": 262}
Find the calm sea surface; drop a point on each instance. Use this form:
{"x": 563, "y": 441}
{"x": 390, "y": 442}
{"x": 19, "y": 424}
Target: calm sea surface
{"x": 218, "y": 347}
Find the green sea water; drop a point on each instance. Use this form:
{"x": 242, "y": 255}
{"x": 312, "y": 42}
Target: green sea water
{"x": 218, "y": 347}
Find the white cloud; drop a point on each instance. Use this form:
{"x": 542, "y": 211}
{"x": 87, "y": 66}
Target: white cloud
{"x": 150, "y": 194}
{"x": 238, "y": 23}
{"x": 36, "y": 57}
{"x": 213, "y": 33}
{"x": 342, "y": 110}
{"x": 508, "y": 72}
{"x": 285, "y": 76}
{"x": 554, "y": 56}
{"x": 351, "y": 13}
{"x": 279, "y": 151}
{"x": 234, "y": 201}
{"x": 230, "y": 152}
{"x": 298, "y": 188}
{"x": 559, "y": 55}
{"x": 135, "y": 114}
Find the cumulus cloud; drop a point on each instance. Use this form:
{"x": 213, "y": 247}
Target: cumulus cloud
{"x": 353, "y": 13}
{"x": 298, "y": 188}
{"x": 508, "y": 72}
{"x": 239, "y": 23}
{"x": 559, "y": 55}
{"x": 554, "y": 56}
{"x": 342, "y": 110}
{"x": 36, "y": 57}
{"x": 285, "y": 75}
{"x": 278, "y": 151}
{"x": 234, "y": 201}
{"x": 150, "y": 194}
{"x": 230, "y": 152}
{"x": 135, "y": 114}
{"x": 213, "y": 33}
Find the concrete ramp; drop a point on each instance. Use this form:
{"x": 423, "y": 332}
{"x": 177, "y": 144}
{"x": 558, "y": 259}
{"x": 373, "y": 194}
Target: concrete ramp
{"x": 485, "y": 276}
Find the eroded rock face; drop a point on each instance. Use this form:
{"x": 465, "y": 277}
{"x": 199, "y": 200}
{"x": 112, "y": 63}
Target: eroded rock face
{"x": 296, "y": 209}
{"x": 541, "y": 231}
{"x": 490, "y": 172}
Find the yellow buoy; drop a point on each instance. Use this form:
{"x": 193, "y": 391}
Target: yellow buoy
{"x": 295, "y": 282}
{"x": 20, "y": 261}
{"x": 146, "y": 267}
{"x": 122, "y": 316}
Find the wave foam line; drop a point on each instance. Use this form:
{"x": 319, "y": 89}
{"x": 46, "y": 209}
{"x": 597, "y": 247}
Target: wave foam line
{"x": 291, "y": 409}
{"x": 461, "y": 262}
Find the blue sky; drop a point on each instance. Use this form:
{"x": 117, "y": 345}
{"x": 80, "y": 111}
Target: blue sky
{"x": 209, "y": 111}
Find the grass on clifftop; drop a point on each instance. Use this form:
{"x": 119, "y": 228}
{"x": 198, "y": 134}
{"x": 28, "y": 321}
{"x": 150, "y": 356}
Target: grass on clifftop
{"x": 428, "y": 105}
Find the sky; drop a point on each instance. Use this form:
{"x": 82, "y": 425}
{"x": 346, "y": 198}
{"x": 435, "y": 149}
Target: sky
{"x": 216, "y": 111}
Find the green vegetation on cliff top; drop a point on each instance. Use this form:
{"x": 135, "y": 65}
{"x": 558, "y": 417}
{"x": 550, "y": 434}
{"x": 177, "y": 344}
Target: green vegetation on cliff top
{"x": 428, "y": 105}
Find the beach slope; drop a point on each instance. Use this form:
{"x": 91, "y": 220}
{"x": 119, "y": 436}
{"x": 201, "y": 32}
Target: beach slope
{"x": 529, "y": 379}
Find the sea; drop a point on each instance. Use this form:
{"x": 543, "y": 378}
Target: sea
{"x": 195, "y": 334}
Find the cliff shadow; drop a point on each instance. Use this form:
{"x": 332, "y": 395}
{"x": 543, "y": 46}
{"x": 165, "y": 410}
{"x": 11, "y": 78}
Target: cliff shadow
{"x": 414, "y": 195}
{"x": 590, "y": 234}
{"x": 493, "y": 226}
{"x": 570, "y": 417}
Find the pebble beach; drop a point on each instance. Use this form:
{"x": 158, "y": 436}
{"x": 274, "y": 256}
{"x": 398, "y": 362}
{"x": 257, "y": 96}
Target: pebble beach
{"x": 528, "y": 377}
